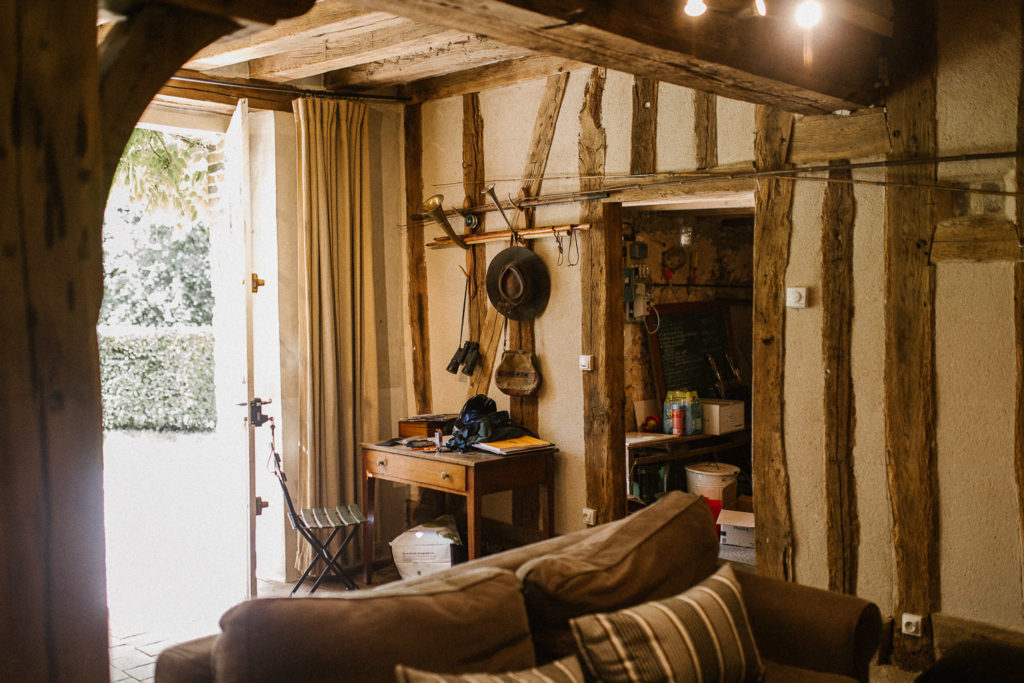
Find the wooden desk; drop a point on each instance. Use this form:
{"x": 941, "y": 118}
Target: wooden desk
{"x": 471, "y": 475}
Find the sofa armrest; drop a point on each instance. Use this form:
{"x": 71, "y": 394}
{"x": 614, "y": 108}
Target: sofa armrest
{"x": 811, "y": 628}
{"x": 188, "y": 662}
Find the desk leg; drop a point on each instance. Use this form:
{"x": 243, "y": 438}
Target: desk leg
{"x": 549, "y": 496}
{"x": 369, "y": 495}
{"x": 474, "y": 516}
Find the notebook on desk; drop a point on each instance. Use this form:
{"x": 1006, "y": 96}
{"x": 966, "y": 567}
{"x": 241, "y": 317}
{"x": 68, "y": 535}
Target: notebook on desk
{"x": 516, "y": 445}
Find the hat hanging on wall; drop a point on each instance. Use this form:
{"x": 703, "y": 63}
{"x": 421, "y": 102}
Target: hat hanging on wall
{"x": 518, "y": 283}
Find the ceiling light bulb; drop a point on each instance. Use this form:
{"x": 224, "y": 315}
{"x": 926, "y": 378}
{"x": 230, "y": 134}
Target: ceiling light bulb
{"x": 695, "y": 8}
{"x": 760, "y": 7}
{"x": 808, "y": 14}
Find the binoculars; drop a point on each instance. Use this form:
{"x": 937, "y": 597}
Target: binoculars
{"x": 467, "y": 356}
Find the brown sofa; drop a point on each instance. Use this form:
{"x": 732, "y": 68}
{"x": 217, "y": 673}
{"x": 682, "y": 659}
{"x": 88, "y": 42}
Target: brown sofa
{"x": 511, "y": 610}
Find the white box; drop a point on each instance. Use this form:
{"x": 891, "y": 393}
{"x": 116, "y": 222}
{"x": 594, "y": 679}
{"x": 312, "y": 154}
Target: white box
{"x": 722, "y": 416}
{"x": 426, "y": 548}
{"x": 737, "y": 528}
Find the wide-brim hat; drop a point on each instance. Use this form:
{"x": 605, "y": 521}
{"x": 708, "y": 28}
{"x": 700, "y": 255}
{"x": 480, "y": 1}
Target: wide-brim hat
{"x": 518, "y": 283}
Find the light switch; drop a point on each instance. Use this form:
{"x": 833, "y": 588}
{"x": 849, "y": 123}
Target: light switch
{"x": 586, "y": 363}
{"x": 796, "y": 297}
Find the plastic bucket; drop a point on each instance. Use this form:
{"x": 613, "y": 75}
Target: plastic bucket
{"x": 713, "y": 480}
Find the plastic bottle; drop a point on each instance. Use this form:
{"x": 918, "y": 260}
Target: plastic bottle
{"x": 697, "y": 411}
{"x": 678, "y": 418}
{"x": 671, "y": 397}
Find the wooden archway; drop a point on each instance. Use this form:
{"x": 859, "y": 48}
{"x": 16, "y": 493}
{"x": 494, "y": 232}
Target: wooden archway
{"x": 68, "y": 111}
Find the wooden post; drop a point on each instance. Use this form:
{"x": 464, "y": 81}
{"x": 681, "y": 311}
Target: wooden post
{"x": 53, "y": 621}
{"x": 1018, "y": 307}
{"x": 842, "y": 525}
{"x": 414, "y": 249}
{"x": 642, "y": 159}
{"x": 705, "y": 128}
{"x": 773, "y": 226}
{"x": 600, "y": 270}
{"x": 525, "y": 409}
{"x": 473, "y": 184}
{"x": 910, "y": 329}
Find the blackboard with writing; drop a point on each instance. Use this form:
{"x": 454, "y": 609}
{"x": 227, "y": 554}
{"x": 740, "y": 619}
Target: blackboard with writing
{"x": 686, "y": 333}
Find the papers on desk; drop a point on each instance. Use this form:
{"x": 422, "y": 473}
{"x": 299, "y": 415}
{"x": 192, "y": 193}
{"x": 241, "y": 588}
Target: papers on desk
{"x": 516, "y": 445}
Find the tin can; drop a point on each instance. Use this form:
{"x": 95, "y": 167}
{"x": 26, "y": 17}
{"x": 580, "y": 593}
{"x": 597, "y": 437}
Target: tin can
{"x": 677, "y": 419}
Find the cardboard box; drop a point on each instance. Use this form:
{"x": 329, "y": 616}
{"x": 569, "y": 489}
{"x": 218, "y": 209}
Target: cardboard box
{"x": 737, "y": 528}
{"x": 426, "y": 548}
{"x": 722, "y": 416}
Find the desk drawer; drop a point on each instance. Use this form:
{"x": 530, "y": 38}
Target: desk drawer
{"x": 417, "y": 470}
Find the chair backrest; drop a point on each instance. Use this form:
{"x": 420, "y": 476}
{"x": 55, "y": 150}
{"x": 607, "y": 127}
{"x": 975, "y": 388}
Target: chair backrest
{"x": 293, "y": 517}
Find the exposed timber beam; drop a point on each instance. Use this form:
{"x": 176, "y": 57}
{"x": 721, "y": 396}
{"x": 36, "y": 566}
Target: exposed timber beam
{"x": 909, "y": 366}
{"x": 489, "y": 76}
{"x": 265, "y": 11}
{"x": 842, "y": 528}
{"x": 348, "y": 50}
{"x": 601, "y": 322}
{"x": 464, "y": 53}
{"x": 326, "y": 18}
{"x": 773, "y": 227}
{"x": 836, "y": 67}
{"x": 976, "y": 238}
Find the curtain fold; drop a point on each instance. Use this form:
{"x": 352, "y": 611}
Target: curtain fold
{"x": 338, "y": 396}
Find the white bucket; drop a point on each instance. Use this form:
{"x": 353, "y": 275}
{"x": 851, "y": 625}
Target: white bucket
{"x": 713, "y": 480}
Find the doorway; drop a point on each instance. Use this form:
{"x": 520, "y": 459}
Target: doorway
{"x": 173, "y": 350}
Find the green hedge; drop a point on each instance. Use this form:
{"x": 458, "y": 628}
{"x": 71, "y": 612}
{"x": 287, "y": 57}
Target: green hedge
{"x": 158, "y": 380}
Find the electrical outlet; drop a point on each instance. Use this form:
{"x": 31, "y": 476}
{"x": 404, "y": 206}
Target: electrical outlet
{"x": 589, "y": 516}
{"x": 911, "y": 624}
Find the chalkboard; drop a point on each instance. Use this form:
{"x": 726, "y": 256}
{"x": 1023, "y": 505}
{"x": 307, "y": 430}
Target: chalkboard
{"x": 684, "y": 334}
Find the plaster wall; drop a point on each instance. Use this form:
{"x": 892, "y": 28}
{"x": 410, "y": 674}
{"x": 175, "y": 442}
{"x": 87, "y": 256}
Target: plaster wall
{"x": 803, "y": 387}
{"x": 976, "y": 92}
{"x": 867, "y": 349}
{"x": 979, "y": 537}
{"x": 980, "y": 547}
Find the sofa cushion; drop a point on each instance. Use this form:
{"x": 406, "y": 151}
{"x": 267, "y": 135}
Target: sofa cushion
{"x": 565, "y": 670}
{"x": 475, "y": 621}
{"x": 654, "y": 553}
{"x": 700, "y": 635}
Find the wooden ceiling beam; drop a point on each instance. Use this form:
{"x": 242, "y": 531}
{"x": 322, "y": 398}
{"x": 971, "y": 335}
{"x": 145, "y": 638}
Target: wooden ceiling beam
{"x": 264, "y": 11}
{"x": 198, "y": 89}
{"x": 473, "y": 51}
{"x": 765, "y": 60}
{"x": 326, "y": 18}
{"x": 347, "y": 50}
{"x": 489, "y": 76}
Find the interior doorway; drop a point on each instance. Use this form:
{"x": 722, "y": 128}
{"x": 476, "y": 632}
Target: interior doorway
{"x": 691, "y": 258}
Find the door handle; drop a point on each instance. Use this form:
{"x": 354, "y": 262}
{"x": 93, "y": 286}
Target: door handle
{"x": 261, "y": 505}
{"x": 256, "y": 283}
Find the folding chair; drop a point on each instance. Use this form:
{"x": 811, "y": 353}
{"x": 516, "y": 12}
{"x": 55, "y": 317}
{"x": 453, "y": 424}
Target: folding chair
{"x": 338, "y": 518}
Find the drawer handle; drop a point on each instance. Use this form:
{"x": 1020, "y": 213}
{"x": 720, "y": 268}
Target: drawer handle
{"x": 445, "y": 475}
{"x": 382, "y": 463}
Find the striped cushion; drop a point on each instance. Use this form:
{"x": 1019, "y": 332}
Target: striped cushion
{"x": 700, "y": 635}
{"x": 566, "y": 670}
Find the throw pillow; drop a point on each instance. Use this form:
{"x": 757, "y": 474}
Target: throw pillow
{"x": 700, "y": 635}
{"x": 565, "y": 670}
{"x": 472, "y": 621}
{"x": 654, "y": 553}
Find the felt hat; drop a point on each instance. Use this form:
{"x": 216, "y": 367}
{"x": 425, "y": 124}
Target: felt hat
{"x": 518, "y": 283}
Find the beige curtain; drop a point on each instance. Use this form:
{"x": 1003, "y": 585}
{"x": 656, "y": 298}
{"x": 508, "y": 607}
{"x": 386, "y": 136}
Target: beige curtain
{"x": 338, "y": 397}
